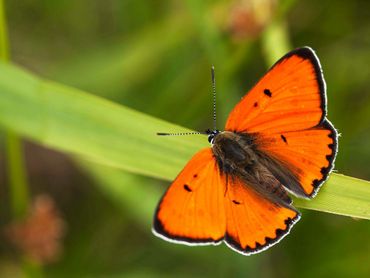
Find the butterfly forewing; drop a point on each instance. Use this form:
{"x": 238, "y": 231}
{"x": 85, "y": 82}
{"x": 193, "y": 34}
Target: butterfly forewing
{"x": 291, "y": 96}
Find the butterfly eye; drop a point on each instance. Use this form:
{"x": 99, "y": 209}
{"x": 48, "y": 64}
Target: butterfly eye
{"x": 212, "y": 134}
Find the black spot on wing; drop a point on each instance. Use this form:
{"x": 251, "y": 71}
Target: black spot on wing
{"x": 236, "y": 202}
{"x": 195, "y": 176}
{"x": 283, "y": 138}
{"x": 267, "y": 92}
{"x": 187, "y": 188}
{"x": 255, "y": 104}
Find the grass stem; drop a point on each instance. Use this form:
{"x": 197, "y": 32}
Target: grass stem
{"x": 14, "y": 152}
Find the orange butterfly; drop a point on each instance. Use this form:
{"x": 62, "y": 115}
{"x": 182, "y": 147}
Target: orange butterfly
{"x": 276, "y": 140}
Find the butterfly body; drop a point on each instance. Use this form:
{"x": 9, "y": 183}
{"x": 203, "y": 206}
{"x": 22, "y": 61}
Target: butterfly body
{"x": 277, "y": 140}
{"x": 234, "y": 151}
{"x": 237, "y": 157}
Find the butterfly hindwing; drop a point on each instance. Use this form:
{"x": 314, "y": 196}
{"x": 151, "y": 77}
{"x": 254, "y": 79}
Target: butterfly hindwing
{"x": 192, "y": 210}
{"x": 254, "y": 223}
{"x": 307, "y": 154}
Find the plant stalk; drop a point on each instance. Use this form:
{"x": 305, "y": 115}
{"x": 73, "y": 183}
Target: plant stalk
{"x": 14, "y": 152}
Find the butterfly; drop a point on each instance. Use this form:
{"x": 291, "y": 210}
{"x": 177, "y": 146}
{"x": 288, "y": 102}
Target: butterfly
{"x": 277, "y": 140}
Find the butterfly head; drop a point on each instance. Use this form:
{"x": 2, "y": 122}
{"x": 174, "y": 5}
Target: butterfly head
{"x": 212, "y": 134}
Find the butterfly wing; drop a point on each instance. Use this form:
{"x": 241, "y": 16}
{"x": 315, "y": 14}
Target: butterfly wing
{"x": 285, "y": 112}
{"x": 291, "y": 96}
{"x": 254, "y": 223}
{"x": 308, "y": 155}
{"x": 192, "y": 210}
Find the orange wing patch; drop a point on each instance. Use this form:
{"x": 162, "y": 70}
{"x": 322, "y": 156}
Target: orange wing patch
{"x": 253, "y": 222}
{"x": 308, "y": 154}
{"x": 192, "y": 210}
{"x": 291, "y": 96}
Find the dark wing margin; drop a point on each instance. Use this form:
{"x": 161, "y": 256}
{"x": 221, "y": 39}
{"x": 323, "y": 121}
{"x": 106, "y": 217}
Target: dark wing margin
{"x": 308, "y": 53}
{"x": 333, "y": 146}
{"x": 280, "y": 234}
{"x": 254, "y": 223}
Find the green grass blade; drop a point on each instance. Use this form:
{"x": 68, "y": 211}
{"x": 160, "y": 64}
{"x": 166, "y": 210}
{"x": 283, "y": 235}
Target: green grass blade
{"x": 82, "y": 124}
{"x": 72, "y": 121}
{"x": 341, "y": 195}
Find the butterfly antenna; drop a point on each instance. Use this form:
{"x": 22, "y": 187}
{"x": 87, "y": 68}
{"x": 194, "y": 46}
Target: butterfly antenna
{"x": 179, "y": 133}
{"x": 214, "y": 96}
{"x": 214, "y": 113}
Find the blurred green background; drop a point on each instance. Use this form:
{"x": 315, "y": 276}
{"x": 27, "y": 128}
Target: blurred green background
{"x": 155, "y": 57}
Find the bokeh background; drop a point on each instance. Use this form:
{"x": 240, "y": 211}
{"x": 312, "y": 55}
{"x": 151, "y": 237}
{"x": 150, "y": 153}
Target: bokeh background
{"x": 155, "y": 57}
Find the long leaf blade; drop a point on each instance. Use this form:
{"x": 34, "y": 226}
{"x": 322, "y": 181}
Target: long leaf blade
{"x": 341, "y": 195}
{"x": 82, "y": 124}
{"x": 70, "y": 120}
